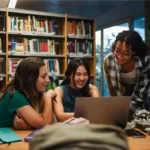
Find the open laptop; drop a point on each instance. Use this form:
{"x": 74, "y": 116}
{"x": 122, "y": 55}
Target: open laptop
{"x": 104, "y": 110}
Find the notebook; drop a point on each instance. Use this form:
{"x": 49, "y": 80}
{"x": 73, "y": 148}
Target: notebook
{"x": 103, "y": 110}
{"x": 7, "y": 135}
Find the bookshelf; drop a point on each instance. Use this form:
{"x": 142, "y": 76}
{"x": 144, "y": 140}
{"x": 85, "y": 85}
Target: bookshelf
{"x": 2, "y": 47}
{"x": 54, "y": 37}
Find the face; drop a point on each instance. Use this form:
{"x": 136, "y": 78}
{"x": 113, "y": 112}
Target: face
{"x": 122, "y": 53}
{"x": 80, "y": 78}
{"x": 42, "y": 80}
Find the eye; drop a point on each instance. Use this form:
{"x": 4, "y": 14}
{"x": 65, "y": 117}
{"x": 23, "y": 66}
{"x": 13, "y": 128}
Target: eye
{"x": 85, "y": 74}
{"x": 44, "y": 76}
{"x": 78, "y": 74}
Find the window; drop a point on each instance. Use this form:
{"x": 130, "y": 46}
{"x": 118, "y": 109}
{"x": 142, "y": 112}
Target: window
{"x": 98, "y": 48}
{"x": 139, "y": 26}
{"x": 109, "y": 35}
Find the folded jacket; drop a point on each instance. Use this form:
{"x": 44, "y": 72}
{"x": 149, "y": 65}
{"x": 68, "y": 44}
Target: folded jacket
{"x": 62, "y": 136}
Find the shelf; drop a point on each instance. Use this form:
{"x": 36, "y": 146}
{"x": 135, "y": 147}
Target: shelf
{"x": 35, "y": 34}
{"x": 2, "y": 75}
{"x": 2, "y": 54}
{"x": 60, "y": 75}
{"x": 81, "y": 56}
{"x": 2, "y": 32}
{"x": 79, "y": 37}
{"x": 34, "y": 54}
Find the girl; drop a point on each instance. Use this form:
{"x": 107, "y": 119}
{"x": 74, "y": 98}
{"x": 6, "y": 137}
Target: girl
{"x": 76, "y": 84}
{"x": 22, "y": 102}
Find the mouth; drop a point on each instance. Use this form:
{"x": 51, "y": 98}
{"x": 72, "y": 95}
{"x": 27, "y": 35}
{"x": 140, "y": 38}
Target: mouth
{"x": 120, "y": 60}
{"x": 81, "y": 84}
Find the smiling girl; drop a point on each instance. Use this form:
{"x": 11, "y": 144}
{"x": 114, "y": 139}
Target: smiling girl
{"x": 127, "y": 70}
{"x": 23, "y": 104}
{"x": 75, "y": 84}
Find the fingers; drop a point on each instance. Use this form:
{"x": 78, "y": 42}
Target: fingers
{"x": 51, "y": 93}
{"x": 16, "y": 119}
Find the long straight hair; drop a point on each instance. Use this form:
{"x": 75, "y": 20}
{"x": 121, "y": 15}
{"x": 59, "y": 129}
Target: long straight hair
{"x": 72, "y": 68}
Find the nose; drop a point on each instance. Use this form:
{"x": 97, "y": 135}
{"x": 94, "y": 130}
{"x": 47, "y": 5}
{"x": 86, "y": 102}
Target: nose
{"x": 47, "y": 79}
{"x": 82, "y": 77}
{"x": 119, "y": 55}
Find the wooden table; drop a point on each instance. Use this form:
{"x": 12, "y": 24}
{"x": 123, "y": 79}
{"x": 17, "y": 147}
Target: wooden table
{"x": 139, "y": 143}
{"x": 18, "y": 145}
{"x": 134, "y": 143}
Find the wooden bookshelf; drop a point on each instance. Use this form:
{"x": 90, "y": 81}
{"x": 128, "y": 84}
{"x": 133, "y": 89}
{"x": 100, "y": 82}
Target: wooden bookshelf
{"x": 2, "y": 47}
{"x": 47, "y": 35}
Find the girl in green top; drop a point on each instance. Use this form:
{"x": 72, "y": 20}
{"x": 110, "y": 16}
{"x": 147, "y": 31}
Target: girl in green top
{"x": 22, "y": 103}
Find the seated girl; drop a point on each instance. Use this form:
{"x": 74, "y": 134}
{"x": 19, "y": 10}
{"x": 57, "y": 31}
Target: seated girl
{"x": 75, "y": 84}
{"x": 23, "y": 105}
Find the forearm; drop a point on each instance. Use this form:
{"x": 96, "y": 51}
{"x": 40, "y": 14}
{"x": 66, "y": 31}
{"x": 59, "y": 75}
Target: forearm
{"x": 47, "y": 112}
{"x": 24, "y": 126}
{"x": 64, "y": 116}
{"x": 20, "y": 123}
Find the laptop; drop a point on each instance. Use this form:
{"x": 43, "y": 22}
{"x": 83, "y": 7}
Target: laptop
{"x": 104, "y": 110}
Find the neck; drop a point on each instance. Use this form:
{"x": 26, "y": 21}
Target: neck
{"x": 128, "y": 67}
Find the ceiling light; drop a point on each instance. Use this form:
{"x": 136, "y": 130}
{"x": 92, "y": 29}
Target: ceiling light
{"x": 12, "y": 3}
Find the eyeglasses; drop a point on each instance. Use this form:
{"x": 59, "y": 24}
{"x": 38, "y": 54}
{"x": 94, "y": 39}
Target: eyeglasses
{"x": 124, "y": 55}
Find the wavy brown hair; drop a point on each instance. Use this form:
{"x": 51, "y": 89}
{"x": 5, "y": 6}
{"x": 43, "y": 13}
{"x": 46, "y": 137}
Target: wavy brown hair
{"x": 25, "y": 79}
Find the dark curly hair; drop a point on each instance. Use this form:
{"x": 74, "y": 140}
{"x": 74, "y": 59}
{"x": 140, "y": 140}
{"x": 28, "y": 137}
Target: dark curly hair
{"x": 134, "y": 41}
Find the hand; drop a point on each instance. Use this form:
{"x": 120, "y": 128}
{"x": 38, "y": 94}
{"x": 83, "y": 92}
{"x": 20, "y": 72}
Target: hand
{"x": 50, "y": 93}
{"x": 20, "y": 123}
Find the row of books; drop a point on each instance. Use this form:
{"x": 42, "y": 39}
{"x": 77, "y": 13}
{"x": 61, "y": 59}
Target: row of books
{"x": 79, "y": 28}
{"x": 32, "y": 24}
{"x": 25, "y": 45}
{"x": 52, "y": 65}
{"x": 79, "y": 47}
{"x": 13, "y": 63}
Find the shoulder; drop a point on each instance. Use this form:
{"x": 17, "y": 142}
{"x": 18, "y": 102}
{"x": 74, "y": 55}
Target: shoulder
{"x": 59, "y": 90}
{"x": 147, "y": 58}
{"x": 109, "y": 58}
{"x": 144, "y": 62}
{"x": 17, "y": 99}
{"x": 93, "y": 91}
{"x": 15, "y": 95}
{"x": 91, "y": 86}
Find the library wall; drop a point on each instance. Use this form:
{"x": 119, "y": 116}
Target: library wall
{"x": 56, "y": 38}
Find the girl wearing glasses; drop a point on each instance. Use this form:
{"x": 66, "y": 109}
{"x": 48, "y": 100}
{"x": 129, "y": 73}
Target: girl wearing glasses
{"x": 127, "y": 69}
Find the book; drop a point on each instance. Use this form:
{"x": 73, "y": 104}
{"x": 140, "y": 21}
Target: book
{"x": 7, "y": 136}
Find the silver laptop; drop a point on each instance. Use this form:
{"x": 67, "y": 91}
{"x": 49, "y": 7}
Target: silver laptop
{"x": 104, "y": 110}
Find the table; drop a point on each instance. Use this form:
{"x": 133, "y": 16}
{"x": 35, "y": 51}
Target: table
{"x": 139, "y": 143}
{"x": 134, "y": 143}
{"x": 18, "y": 145}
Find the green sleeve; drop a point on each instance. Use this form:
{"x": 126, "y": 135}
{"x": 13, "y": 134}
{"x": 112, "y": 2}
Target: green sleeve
{"x": 17, "y": 101}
